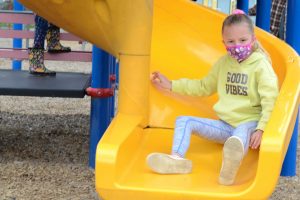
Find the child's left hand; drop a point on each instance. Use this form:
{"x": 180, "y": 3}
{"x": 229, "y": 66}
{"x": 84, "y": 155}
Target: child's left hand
{"x": 255, "y": 139}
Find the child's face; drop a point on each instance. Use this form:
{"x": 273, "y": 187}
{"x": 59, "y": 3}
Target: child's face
{"x": 237, "y": 34}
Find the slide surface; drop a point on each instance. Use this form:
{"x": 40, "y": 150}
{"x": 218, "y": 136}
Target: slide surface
{"x": 185, "y": 42}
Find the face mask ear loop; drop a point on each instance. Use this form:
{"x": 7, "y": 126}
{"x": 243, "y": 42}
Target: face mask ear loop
{"x": 254, "y": 44}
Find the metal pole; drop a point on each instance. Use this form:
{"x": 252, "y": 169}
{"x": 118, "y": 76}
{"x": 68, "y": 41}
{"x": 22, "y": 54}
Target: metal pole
{"x": 293, "y": 24}
{"x": 243, "y": 5}
{"x": 112, "y": 71}
{"x": 263, "y": 14}
{"x": 293, "y": 39}
{"x": 117, "y": 68}
{"x": 290, "y": 160}
{"x": 17, "y": 43}
{"x": 100, "y": 114}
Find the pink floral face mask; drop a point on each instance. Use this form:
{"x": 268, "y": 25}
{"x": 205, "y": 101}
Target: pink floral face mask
{"x": 240, "y": 52}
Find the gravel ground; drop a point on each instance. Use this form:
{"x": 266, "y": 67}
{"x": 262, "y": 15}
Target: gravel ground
{"x": 44, "y": 147}
{"x": 44, "y": 144}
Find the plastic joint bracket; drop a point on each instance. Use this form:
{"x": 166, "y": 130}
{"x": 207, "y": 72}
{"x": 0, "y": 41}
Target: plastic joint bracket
{"x": 100, "y": 92}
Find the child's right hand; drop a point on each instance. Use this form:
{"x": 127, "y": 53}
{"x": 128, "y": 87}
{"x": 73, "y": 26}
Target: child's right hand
{"x": 160, "y": 81}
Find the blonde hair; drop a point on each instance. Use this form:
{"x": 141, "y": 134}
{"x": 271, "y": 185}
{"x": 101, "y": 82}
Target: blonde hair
{"x": 238, "y": 18}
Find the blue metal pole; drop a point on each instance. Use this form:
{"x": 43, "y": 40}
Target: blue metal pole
{"x": 17, "y": 43}
{"x": 100, "y": 113}
{"x": 112, "y": 71}
{"x": 243, "y": 5}
{"x": 292, "y": 38}
{"x": 263, "y": 14}
{"x": 293, "y": 24}
{"x": 290, "y": 160}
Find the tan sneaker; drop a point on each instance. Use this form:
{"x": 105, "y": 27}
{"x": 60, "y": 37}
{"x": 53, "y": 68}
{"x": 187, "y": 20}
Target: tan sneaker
{"x": 168, "y": 164}
{"x": 233, "y": 153}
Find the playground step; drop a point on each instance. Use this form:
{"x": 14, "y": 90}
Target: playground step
{"x": 64, "y": 84}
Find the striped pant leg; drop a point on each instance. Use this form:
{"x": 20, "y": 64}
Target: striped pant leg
{"x": 215, "y": 130}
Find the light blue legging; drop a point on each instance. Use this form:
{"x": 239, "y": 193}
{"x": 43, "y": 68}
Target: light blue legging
{"x": 216, "y": 130}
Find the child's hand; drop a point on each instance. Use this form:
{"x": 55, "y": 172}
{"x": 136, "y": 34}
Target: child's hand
{"x": 160, "y": 81}
{"x": 255, "y": 139}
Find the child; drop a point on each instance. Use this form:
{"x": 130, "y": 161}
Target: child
{"x": 247, "y": 88}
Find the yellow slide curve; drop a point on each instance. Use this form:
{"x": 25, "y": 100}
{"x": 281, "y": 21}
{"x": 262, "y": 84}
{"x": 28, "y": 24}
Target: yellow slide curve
{"x": 180, "y": 39}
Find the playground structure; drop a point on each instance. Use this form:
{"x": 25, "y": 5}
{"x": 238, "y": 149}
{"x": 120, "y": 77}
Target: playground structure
{"x": 21, "y": 83}
{"x": 18, "y": 82}
{"x": 145, "y": 119}
{"x": 27, "y": 18}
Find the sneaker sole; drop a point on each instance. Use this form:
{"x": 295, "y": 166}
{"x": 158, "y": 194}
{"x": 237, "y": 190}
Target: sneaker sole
{"x": 164, "y": 164}
{"x": 233, "y": 153}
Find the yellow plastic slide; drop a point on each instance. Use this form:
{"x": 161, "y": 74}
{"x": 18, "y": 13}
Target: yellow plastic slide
{"x": 185, "y": 41}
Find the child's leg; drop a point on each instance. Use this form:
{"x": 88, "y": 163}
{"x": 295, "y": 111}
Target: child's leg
{"x": 215, "y": 130}
{"x": 175, "y": 163}
{"x": 244, "y": 132}
{"x": 53, "y": 40}
{"x": 234, "y": 150}
{"x": 41, "y": 27}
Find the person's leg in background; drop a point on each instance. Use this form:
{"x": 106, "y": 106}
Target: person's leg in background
{"x": 278, "y": 16}
{"x": 282, "y": 28}
{"x": 53, "y": 40}
{"x": 41, "y": 27}
{"x": 36, "y": 53}
{"x": 252, "y": 11}
{"x": 277, "y": 13}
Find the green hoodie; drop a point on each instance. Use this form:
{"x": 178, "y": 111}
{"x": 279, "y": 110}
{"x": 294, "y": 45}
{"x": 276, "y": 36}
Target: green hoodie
{"x": 247, "y": 91}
